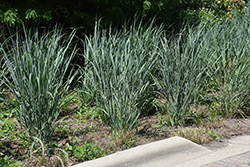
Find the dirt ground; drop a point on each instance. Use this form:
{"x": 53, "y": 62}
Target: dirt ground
{"x": 213, "y": 135}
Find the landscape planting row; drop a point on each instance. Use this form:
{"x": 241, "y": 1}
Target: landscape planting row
{"x": 126, "y": 73}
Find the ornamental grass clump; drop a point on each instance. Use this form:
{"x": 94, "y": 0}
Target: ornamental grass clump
{"x": 182, "y": 68}
{"x": 230, "y": 44}
{"x": 37, "y": 65}
{"x": 117, "y": 74}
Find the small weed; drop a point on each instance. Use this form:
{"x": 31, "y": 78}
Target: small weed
{"x": 161, "y": 121}
{"x": 63, "y": 131}
{"x": 87, "y": 151}
{"x": 211, "y": 121}
{"x": 213, "y": 135}
{"x": 70, "y": 100}
{"x": 238, "y": 124}
{"x": 196, "y": 135}
{"x": 220, "y": 137}
{"x": 85, "y": 112}
{"x": 6, "y": 162}
{"x": 123, "y": 140}
{"x": 90, "y": 128}
{"x": 127, "y": 144}
{"x": 8, "y": 126}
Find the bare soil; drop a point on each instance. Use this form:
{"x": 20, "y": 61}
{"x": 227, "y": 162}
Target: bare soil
{"x": 149, "y": 129}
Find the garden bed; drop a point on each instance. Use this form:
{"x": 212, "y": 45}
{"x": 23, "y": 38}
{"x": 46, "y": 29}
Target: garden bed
{"x": 83, "y": 128}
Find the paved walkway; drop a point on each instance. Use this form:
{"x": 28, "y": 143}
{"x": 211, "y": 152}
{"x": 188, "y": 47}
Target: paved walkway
{"x": 241, "y": 160}
{"x": 178, "y": 152}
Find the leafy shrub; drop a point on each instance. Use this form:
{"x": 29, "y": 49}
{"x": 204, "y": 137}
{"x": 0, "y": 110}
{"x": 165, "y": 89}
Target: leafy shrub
{"x": 37, "y": 65}
{"x": 228, "y": 8}
{"x": 194, "y": 12}
{"x": 196, "y": 16}
{"x": 79, "y": 12}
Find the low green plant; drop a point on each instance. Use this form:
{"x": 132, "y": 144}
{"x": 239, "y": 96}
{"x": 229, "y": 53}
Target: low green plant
{"x": 199, "y": 136}
{"x": 123, "y": 140}
{"x": 6, "y": 162}
{"x": 85, "y": 112}
{"x": 213, "y": 135}
{"x": 37, "y": 65}
{"x": 225, "y": 133}
{"x": 8, "y": 128}
{"x": 86, "y": 151}
{"x": 63, "y": 131}
{"x": 127, "y": 144}
{"x": 70, "y": 99}
{"x": 8, "y": 123}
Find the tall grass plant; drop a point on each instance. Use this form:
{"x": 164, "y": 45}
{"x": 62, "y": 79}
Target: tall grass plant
{"x": 117, "y": 75}
{"x": 230, "y": 43}
{"x": 37, "y": 65}
{"x": 183, "y": 65}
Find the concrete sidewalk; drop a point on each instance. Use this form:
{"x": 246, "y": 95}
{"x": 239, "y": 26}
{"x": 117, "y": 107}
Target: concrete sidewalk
{"x": 177, "y": 152}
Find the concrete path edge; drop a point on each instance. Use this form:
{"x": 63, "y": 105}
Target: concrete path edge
{"x": 171, "y": 151}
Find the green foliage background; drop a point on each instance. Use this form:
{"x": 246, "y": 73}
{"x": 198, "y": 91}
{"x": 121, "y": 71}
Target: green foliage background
{"x": 84, "y": 12}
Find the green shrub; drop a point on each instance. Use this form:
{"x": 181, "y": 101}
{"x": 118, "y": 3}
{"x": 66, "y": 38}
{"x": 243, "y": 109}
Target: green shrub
{"x": 196, "y": 11}
{"x": 78, "y": 12}
{"x": 228, "y": 8}
{"x": 196, "y": 16}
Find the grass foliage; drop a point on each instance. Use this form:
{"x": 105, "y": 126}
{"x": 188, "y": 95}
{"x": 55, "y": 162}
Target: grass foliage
{"x": 183, "y": 69}
{"x": 117, "y": 75}
{"x": 124, "y": 72}
{"x": 119, "y": 65}
{"x": 37, "y": 65}
{"x": 230, "y": 44}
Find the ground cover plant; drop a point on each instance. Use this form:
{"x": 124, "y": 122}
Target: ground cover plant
{"x": 195, "y": 84}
